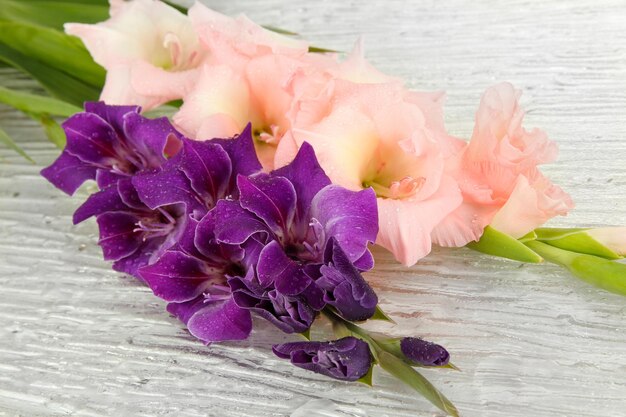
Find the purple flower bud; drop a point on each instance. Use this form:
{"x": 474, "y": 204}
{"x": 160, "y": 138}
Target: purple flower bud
{"x": 423, "y": 352}
{"x": 347, "y": 359}
{"x": 345, "y": 289}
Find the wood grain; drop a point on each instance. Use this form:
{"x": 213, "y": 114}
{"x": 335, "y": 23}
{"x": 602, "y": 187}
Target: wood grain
{"x": 79, "y": 339}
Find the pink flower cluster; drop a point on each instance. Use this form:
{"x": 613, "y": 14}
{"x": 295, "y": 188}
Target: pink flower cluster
{"x": 367, "y": 128}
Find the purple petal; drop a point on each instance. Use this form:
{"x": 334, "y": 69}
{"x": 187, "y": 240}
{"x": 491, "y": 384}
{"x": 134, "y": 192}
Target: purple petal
{"x": 114, "y": 115}
{"x": 164, "y": 187}
{"x": 242, "y": 153}
{"x": 100, "y": 202}
{"x": 307, "y": 177}
{"x": 289, "y": 314}
{"x": 141, "y": 257}
{"x": 345, "y": 287}
{"x": 151, "y": 138}
{"x": 221, "y": 321}
{"x": 276, "y": 268}
{"x": 351, "y": 217}
{"x": 184, "y": 311}
{"x": 177, "y": 277}
{"x": 273, "y": 199}
{"x": 346, "y": 359}
{"x": 91, "y": 139}
{"x": 232, "y": 224}
{"x": 208, "y": 168}
{"x": 105, "y": 178}
{"x": 118, "y": 238}
{"x": 128, "y": 194}
{"x": 68, "y": 173}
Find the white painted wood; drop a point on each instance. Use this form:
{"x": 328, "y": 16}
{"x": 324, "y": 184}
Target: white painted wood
{"x": 79, "y": 339}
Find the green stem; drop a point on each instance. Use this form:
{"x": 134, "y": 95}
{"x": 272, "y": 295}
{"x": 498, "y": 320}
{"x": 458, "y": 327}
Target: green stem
{"x": 551, "y": 253}
{"x": 604, "y": 273}
{"x": 391, "y": 363}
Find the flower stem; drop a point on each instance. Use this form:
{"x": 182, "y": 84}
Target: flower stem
{"x": 607, "y": 274}
{"x": 391, "y": 363}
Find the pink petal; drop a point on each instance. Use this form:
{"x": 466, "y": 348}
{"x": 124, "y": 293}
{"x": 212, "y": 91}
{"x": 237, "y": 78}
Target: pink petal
{"x": 406, "y": 225}
{"x": 533, "y": 201}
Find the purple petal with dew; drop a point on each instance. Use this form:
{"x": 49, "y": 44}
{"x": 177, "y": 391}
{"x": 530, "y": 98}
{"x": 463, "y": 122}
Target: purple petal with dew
{"x": 307, "y": 177}
{"x": 276, "y": 268}
{"x": 128, "y": 194}
{"x": 423, "y": 352}
{"x": 184, "y": 311}
{"x": 351, "y": 217}
{"x": 167, "y": 186}
{"x": 105, "y": 178}
{"x": 208, "y": 168}
{"x": 346, "y": 359}
{"x": 114, "y": 115}
{"x": 242, "y": 154}
{"x": 178, "y": 277}
{"x": 118, "y": 237}
{"x": 141, "y": 257}
{"x": 68, "y": 173}
{"x": 91, "y": 139}
{"x": 100, "y": 202}
{"x": 273, "y": 199}
{"x": 220, "y": 321}
{"x": 232, "y": 224}
{"x": 151, "y": 138}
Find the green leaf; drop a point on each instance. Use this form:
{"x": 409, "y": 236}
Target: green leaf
{"x": 6, "y": 139}
{"x": 500, "y": 244}
{"x": 56, "y": 82}
{"x": 576, "y": 240}
{"x": 53, "y": 48}
{"x": 54, "y": 14}
{"x": 417, "y": 381}
{"x": 603, "y": 273}
{"x": 379, "y": 314}
{"x": 53, "y": 131}
{"x": 33, "y": 103}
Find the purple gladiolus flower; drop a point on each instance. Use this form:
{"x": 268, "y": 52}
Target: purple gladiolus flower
{"x": 109, "y": 143}
{"x": 347, "y": 359}
{"x": 424, "y": 353}
{"x": 193, "y": 275}
{"x": 304, "y": 215}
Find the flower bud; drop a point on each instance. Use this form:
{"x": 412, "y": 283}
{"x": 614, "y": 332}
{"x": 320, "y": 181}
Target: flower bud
{"x": 346, "y": 359}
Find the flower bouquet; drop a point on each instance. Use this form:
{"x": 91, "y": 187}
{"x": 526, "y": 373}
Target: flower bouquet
{"x": 280, "y": 165}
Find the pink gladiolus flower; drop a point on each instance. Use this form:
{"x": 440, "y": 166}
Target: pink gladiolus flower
{"x": 149, "y": 49}
{"x": 382, "y": 136}
{"x": 249, "y": 77}
{"x": 498, "y": 175}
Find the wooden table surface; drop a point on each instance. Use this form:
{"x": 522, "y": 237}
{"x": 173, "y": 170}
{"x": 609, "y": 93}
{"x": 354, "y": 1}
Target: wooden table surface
{"x": 77, "y": 339}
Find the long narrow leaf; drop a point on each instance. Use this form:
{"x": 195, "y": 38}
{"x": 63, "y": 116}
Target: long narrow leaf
{"x": 53, "y": 48}
{"x": 54, "y": 13}
{"x": 57, "y": 83}
{"x": 53, "y": 131}
{"x": 33, "y": 103}
{"x": 415, "y": 380}
{"x": 6, "y": 139}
